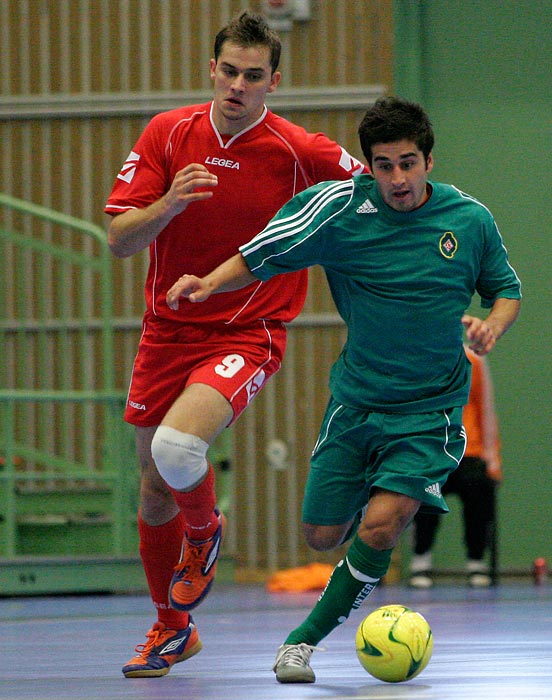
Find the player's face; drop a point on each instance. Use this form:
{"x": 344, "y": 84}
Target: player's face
{"x": 401, "y": 174}
{"x": 242, "y": 77}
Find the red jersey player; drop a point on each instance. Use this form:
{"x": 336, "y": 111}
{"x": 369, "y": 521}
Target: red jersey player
{"x": 200, "y": 181}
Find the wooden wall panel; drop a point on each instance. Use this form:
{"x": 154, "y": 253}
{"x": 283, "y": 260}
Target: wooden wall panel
{"x": 79, "y": 81}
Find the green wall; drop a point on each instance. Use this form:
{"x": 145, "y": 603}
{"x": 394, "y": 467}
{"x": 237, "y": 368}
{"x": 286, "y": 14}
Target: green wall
{"x": 483, "y": 70}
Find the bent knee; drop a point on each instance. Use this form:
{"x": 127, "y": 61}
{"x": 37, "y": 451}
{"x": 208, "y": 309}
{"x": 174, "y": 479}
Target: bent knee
{"x": 386, "y": 518}
{"x": 379, "y": 538}
{"x": 180, "y": 458}
{"x": 323, "y": 538}
{"x": 384, "y": 535}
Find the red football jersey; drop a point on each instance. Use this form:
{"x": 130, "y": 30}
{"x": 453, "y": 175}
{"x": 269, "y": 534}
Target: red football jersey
{"x": 258, "y": 170}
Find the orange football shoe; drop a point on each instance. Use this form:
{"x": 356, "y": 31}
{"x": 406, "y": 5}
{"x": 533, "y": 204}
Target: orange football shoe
{"x": 194, "y": 575}
{"x": 164, "y": 648}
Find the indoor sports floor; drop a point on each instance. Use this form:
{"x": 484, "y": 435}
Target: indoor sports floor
{"x": 488, "y": 644}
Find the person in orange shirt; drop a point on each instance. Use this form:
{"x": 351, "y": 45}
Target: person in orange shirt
{"x": 474, "y": 482}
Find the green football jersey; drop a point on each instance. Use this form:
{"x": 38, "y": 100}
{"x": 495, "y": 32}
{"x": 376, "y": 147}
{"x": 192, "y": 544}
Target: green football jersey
{"x": 401, "y": 282}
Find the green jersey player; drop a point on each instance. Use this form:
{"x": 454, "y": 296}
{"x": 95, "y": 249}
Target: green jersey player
{"x": 403, "y": 257}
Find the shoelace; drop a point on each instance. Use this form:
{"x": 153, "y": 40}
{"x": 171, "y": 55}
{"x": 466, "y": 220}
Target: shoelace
{"x": 183, "y": 568}
{"x": 152, "y": 636}
{"x": 198, "y": 549}
{"x": 297, "y": 654}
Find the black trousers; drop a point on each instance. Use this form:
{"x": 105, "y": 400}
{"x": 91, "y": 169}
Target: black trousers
{"x": 477, "y": 493}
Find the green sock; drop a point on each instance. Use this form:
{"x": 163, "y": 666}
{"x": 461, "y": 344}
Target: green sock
{"x": 352, "y": 580}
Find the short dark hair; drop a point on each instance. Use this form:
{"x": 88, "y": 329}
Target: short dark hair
{"x": 250, "y": 29}
{"x": 393, "y": 119}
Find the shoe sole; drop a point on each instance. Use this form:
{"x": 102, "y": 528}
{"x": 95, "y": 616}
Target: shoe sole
{"x": 295, "y": 676}
{"x": 158, "y": 672}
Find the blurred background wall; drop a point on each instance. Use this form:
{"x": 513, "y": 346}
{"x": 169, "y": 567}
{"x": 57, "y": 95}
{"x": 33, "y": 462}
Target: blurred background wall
{"x": 482, "y": 69}
{"x": 79, "y": 81}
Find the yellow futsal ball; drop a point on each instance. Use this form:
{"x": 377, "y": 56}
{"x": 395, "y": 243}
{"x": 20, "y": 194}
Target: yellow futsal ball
{"x": 394, "y": 643}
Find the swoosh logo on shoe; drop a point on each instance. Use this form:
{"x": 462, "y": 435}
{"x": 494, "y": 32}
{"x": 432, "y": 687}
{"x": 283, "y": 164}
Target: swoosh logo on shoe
{"x": 213, "y": 554}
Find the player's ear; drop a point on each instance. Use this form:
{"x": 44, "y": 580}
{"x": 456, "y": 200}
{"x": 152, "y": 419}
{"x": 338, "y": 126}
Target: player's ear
{"x": 274, "y": 80}
{"x": 429, "y": 163}
{"x": 212, "y": 66}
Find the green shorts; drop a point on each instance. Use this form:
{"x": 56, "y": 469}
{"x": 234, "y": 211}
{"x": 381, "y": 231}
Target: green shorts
{"x": 412, "y": 454}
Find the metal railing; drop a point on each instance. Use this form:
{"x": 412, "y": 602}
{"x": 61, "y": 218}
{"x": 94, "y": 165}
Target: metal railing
{"x": 64, "y": 448}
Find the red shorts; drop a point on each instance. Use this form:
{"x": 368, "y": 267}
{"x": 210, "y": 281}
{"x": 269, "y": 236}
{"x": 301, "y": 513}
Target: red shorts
{"x": 235, "y": 361}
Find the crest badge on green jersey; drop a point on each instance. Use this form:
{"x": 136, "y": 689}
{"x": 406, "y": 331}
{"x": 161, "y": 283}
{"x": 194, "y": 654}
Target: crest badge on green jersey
{"x": 448, "y": 245}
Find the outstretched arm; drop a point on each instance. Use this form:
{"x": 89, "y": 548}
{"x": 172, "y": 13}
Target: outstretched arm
{"x": 230, "y": 275}
{"x": 483, "y": 334}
